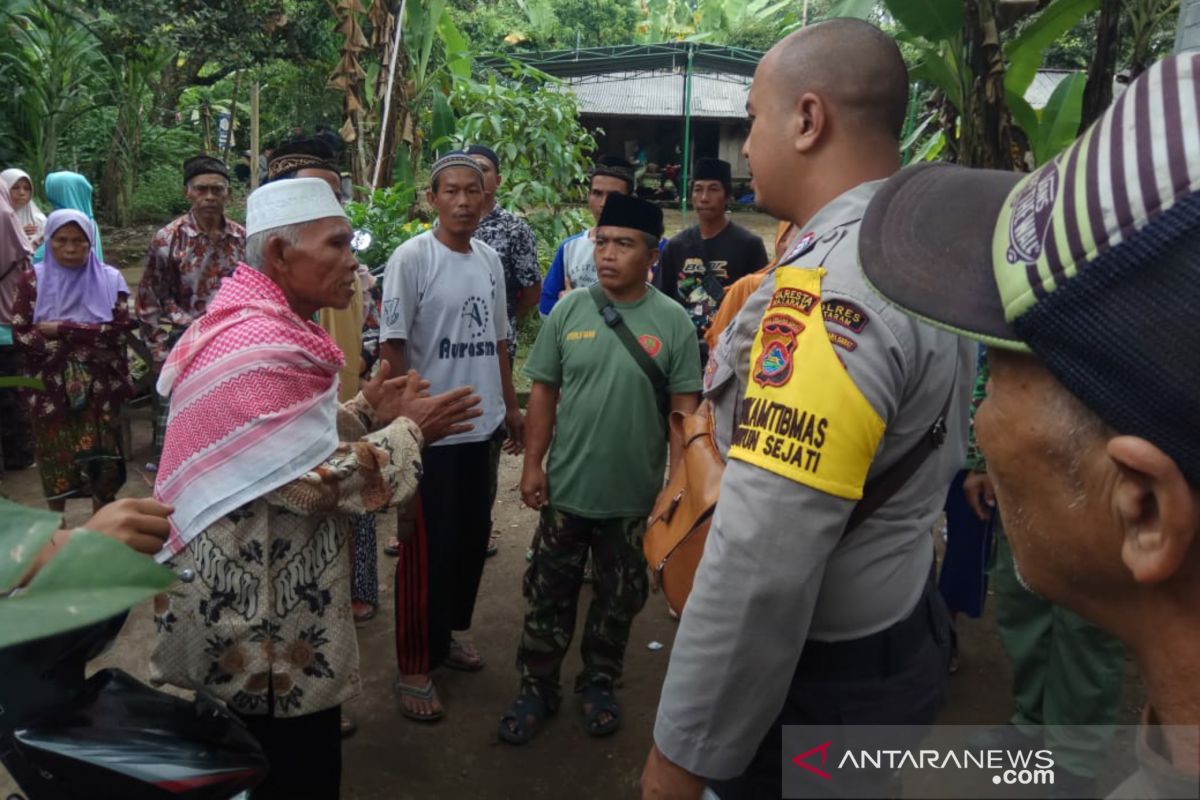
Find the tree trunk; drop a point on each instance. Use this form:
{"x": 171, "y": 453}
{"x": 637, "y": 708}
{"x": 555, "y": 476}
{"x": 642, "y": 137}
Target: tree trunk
{"x": 175, "y": 79}
{"x": 985, "y": 136}
{"x": 1098, "y": 93}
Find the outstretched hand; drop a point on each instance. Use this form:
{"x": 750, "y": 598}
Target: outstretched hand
{"x": 382, "y": 391}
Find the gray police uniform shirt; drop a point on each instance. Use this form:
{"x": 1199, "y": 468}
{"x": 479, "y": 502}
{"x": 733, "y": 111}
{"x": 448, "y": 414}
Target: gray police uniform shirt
{"x": 776, "y": 570}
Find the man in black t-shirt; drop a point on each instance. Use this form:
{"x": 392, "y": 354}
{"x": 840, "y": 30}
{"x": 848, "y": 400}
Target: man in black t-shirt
{"x": 700, "y": 262}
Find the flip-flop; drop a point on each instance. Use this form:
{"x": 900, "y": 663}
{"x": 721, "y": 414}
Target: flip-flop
{"x": 460, "y": 659}
{"x": 392, "y": 548}
{"x": 426, "y": 692}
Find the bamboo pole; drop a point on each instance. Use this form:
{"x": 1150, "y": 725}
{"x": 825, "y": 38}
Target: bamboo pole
{"x": 255, "y": 146}
{"x": 687, "y": 137}
{"x": 387, "y": 99}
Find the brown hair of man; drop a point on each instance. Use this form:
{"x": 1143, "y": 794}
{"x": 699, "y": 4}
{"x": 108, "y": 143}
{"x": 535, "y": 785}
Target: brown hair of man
{"x": 822, "y": 123}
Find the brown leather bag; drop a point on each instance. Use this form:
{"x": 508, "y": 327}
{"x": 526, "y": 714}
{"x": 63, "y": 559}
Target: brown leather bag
{"x": 679, "y": 523}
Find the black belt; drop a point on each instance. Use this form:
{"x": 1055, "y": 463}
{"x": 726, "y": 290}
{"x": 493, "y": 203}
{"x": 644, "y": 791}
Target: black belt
{"x": 880, "y": 654}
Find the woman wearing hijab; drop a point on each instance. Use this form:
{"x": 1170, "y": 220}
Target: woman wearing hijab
{"x": 70, "y": 190}
{"x": 20, "y": 191}
{"x": 16, "y": 437}
{"x": 71, "y": 318}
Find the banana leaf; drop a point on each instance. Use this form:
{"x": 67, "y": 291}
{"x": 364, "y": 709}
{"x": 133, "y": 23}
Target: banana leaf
{"x": 93, "y": 577}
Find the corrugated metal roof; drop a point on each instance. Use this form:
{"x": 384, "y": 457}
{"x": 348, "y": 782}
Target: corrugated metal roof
{"x": 714, "y": 95}
{"x": 660, "y": 94}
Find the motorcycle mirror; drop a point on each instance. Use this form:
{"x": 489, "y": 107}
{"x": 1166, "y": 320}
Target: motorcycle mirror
{"x": 361, "y": 241}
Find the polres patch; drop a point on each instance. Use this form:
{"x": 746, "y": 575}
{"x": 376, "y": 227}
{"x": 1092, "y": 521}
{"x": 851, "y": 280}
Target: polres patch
{"x": 775, "y": 366}
{"x": 845, "y": 314}
{"x": 1032, "y": 210}
{"x": 651, "y": 344}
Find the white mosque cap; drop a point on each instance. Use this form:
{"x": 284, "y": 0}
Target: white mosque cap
{"x": 290, "y": 202}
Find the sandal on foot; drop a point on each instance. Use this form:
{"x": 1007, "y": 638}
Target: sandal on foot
{"x": 392, "y": 548}
{"x": 426, "y": 693}
{"x": 363, "y": 612}
{"x": 347, "y": 727}
{"x": 493, "y": 545}
{"x": 599, "y": 698}
{"x": 463, "y": 657}
{"x": 522, "y": 721}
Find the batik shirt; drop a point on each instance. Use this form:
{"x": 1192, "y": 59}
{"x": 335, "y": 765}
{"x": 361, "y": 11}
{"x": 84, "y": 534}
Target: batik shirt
{"x": 513, "y": 240}
{"x": 82, "y": 364}
{"x": 268, "y": 605}
{"x": 183, "y": 270}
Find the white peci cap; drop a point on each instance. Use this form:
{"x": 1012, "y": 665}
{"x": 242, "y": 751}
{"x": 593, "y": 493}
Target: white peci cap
{"x": 290, "y": 202}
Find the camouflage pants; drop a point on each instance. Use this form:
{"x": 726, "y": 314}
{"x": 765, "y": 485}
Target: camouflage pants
{"x": 551, "y": 587}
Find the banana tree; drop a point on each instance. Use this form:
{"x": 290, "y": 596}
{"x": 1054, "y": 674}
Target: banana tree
{"x": 55, "y": 72}
{"x": 381, "y": 113}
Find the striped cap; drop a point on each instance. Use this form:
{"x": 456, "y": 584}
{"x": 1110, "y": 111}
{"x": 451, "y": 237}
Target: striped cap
{"x": 1092, "y": 262}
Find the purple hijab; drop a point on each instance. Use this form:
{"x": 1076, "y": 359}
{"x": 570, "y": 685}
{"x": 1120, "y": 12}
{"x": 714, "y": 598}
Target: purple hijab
{"x": 86, "y": 294}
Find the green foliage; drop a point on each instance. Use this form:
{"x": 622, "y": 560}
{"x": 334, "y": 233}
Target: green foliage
{"x": 547, "y": 24}
{"x": 1059, "y": 120}
{"x": 92, "y": 577}
{"x": 1024, "y": 53}
{"x": 389, "y": 217}
{"x": 54, "y": 73}
{"x": 159, "y": 196}
{"x": 533, "y": 125}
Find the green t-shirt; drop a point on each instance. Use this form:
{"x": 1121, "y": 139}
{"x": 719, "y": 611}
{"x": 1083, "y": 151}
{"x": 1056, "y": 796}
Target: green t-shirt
{"x": 610, "y": 440}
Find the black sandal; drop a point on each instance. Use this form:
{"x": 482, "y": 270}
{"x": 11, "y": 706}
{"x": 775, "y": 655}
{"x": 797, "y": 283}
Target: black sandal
{"x": 521, "y": 722}
{"x": 600, "y": 697}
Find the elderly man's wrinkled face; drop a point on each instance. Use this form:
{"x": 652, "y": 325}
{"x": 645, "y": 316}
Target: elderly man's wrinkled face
{"x": 207, "y": 194}
{"x": 318, "y": 271}
{"x": 1046, "y": 457}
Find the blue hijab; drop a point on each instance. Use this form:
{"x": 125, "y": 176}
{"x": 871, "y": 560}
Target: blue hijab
{"x": 70, "y": 190}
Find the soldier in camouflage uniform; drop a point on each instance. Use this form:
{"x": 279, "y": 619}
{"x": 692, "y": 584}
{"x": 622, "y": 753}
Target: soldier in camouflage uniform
{"x": 592, "y": 397}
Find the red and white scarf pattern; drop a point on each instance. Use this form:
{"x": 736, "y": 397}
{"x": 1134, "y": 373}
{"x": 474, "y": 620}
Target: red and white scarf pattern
{"x": 253, "y": 391}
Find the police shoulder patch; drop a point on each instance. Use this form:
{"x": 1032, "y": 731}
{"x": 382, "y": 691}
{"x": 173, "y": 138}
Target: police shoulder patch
{"x": 803, "y": 417}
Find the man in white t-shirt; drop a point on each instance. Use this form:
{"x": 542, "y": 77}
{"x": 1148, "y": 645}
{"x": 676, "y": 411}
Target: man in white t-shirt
{"x": 445, "y": 315}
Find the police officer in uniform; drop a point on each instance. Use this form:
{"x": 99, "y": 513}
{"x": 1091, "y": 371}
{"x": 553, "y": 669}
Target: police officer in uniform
{"x": 818, "y": 387}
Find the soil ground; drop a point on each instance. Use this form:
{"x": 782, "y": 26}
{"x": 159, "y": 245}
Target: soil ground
{"x": 460, "y": 757}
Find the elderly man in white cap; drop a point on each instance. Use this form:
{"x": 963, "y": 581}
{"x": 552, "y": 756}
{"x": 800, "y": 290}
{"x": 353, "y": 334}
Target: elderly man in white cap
{"x": 262, "y": 465}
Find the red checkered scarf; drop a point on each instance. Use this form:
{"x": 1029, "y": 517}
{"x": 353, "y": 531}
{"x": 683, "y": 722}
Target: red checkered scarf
{"x": 253, "y": 391}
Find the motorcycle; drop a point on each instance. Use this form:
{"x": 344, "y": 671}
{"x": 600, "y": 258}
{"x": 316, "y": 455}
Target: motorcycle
{"x": 111, "y": 737}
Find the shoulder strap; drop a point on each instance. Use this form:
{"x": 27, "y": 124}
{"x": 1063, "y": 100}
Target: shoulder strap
{"x": 881, "y": 488}
{"x": 612, "y": 318}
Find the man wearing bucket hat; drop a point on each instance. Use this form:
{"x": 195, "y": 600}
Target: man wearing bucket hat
{"x": 262, "y": 467}
{"x": 1082, "y": 280}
